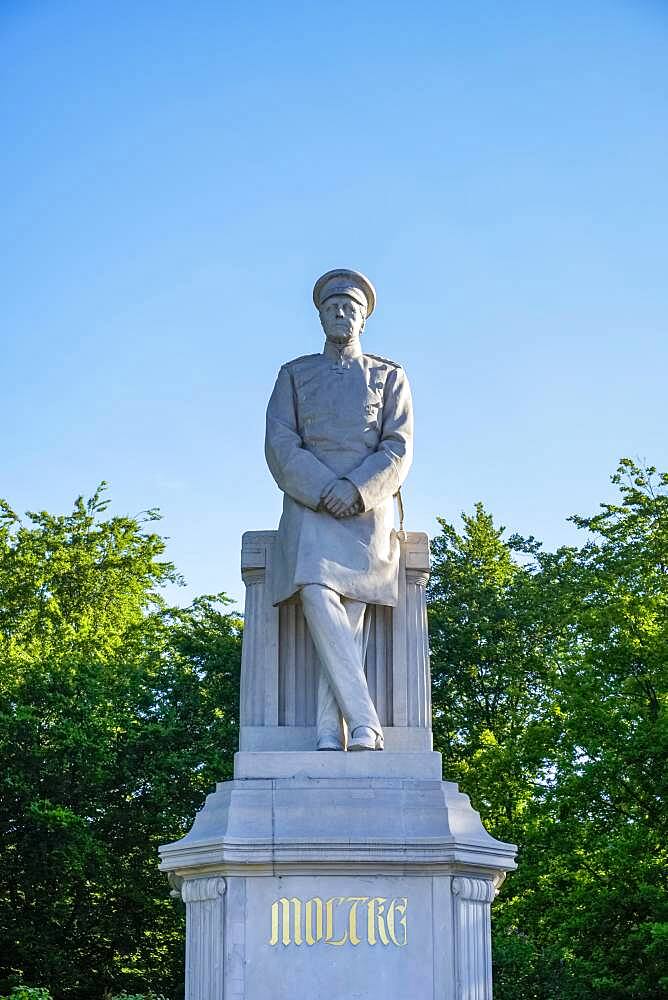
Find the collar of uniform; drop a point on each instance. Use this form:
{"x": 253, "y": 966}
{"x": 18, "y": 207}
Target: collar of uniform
{"x": 340, "y": 354}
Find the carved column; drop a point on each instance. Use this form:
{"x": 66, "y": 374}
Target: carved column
{"x": 411, "y": 682}
{"x": 473, "y": 943}
{"x": 419, "y": 680}
{"x": 259, "y": 656}
{"x": 205, "y": 916}
{"x": 399, "y": 648}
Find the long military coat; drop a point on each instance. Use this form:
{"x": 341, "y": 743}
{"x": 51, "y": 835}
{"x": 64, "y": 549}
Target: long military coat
{"x": 333, "y": 415}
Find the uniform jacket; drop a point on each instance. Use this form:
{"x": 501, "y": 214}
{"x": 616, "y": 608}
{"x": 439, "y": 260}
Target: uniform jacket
{"x": 331, "y": 415}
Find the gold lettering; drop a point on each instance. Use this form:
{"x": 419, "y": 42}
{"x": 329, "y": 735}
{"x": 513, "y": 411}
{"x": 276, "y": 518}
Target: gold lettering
{"x": 274, "y": 923}
{"x": 288, "y": 908}
{"x": 371, "y": 922}
{"x": 352, "y": 917}
{"x": 311, "y": 905}
{"x": 397, "y": 906}
{"x": 294, "y": 921}
{"x": 329, "y": 907}
{"x": 382, "y": 932}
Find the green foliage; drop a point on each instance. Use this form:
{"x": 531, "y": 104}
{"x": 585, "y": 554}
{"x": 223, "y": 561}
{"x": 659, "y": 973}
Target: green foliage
{"x": 117, "y": 715}
{"x": 28, "y": 993}
{"x": 550, "y": 706}
{"x": 37, "y": 993}
{"x": 139, "y": 996}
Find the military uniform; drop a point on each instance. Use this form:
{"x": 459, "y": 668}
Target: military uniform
{"x": 340, "y": 415}
{"x": 332, "y": 415}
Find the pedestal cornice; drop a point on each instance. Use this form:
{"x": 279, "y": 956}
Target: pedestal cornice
{"x": 362, "y": 813}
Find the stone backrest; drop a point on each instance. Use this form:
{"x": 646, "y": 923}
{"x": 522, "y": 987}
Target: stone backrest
{"x": 279, "y": 667}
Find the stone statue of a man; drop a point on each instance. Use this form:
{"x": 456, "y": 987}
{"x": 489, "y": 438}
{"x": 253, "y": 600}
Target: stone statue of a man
{"x": 339, "y": 445}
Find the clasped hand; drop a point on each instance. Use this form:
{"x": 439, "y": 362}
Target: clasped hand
{"x": 341, "y": 499}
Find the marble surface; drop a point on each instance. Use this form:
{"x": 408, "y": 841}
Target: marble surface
{"x": 337, "y": 819}
{"x": 335, "y": 764}
{"x": 335, "y": 875}
{"x": 334, "y": 885}
{"x": 280, "y": 666}
{"x": 339, "y": 415}
{"x": 339, "y": 443}
{"x": 358, "y": 954}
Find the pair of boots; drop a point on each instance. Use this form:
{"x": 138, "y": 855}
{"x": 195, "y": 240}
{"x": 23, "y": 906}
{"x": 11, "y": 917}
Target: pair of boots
{"x": 336, "y": 624}
{"x": 362, "y": 738}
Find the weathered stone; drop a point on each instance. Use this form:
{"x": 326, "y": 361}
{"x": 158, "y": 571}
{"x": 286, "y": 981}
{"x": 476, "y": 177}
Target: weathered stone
{"x": 279, "y": 669}
{"x": 335, "y": 875}
{"x": 293, "y": 835}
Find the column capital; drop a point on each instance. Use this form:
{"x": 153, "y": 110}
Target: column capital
{"x": 418, "y": 577}
{"x": 253, "y": 574}
{"x": 175, "y": 885}
{"x": 197, "y": 890}
{"x": 478, "y": 890}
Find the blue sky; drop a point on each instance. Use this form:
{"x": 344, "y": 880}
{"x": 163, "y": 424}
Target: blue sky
{"x": 176, "y": 175}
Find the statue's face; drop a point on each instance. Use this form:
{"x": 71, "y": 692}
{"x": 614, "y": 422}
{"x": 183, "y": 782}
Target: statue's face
{"x": 342, "y": 319}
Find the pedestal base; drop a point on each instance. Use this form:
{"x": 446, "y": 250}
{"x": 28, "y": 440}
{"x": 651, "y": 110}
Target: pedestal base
{"x": 337, "y": 877}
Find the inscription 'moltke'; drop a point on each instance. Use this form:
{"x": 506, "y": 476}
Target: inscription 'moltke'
{"x": 339, "y": 920}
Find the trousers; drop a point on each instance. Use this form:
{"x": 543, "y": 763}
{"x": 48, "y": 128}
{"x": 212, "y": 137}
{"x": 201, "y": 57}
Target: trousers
{"x": 336, "y": 625}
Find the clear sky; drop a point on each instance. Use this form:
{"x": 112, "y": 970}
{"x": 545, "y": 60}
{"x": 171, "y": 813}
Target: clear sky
{"x": 175, "y": 175}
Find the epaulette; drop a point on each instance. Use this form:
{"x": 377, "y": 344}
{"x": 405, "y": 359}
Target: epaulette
{"x": 304, "y": 357}
{"x": 377, "y": 357}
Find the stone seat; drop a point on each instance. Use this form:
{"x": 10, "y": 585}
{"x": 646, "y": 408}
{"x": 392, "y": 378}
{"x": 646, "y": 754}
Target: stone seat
{"x": 279, "y": 668}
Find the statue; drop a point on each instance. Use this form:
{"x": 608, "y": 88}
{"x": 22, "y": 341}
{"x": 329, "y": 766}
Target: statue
{"x": 324, "y": 874}
{"x": 339, "y": 445}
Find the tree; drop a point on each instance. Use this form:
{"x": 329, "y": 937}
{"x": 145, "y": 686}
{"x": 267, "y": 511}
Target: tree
{"x": 550, "y": 707}
{"x": 490, "y": 676}
{"x": 117, "y": 715}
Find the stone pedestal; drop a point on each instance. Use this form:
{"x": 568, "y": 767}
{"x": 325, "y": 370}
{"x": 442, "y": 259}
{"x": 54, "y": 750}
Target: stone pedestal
{"x": 333, "y": 875}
